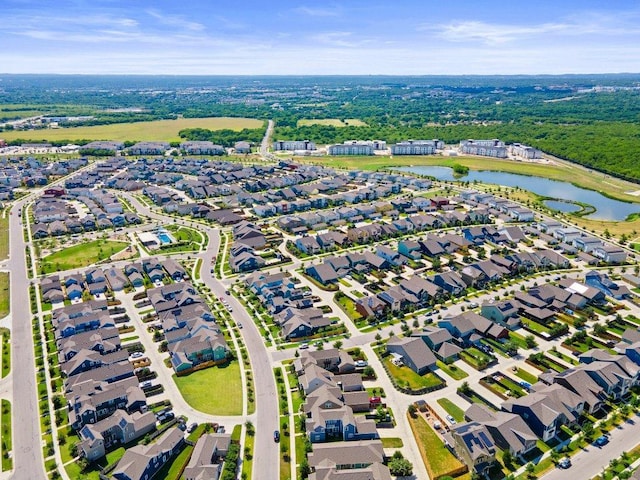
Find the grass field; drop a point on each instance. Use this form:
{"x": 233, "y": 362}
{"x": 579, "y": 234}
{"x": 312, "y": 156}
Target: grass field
{"x": 81, "y": 255}
{"x": 161, "y": 130}
{"x": 215, "y": 390}
{"x": 334, "y": 122}
{"x": 4, "y": 294}
{"x": 437, "y": 457}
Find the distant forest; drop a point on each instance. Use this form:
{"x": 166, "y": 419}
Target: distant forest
{"x": 590, "y": 119}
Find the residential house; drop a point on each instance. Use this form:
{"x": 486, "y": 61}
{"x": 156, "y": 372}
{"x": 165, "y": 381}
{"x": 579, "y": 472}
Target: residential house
{"x": 118, "y": 429}
{"x": 205, "y": 462}
{"x": 142, "y": 462}
{"x": 473, "y": 444}
{"x": 414, "y": 352}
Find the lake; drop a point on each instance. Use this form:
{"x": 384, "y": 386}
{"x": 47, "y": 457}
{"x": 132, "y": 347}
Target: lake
{"x": 606, "y": 208}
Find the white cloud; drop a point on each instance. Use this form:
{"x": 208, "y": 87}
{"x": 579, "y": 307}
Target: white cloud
{"x": 318, "y": 12}
{"x": 500, "y": 33}
{"x": 178, "y": 21}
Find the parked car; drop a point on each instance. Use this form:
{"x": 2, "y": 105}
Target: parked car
{"x": 226, "y": 292}
{"x": 276, "y": 436}
{"x": 601, "y": 441}
{"x": 304, "y": 346}
{"x": 192, "y": 427}
{"x": 240, "y": 326}
{"x": 361, "y": 363}
{"x": 564, "y": 463}
{"x": 451, "y": 420}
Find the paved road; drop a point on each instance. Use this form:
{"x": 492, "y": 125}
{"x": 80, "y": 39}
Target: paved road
{"x": 27, "y": 452}
{"x": 592, "y": 460}
{"x": 266, "y": 453}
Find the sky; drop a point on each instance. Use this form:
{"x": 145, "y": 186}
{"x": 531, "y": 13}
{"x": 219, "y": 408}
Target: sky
{"x": 284, "y": 37}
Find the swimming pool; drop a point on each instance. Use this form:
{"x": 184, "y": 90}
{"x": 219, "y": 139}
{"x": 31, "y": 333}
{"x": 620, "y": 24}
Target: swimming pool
{"x": 164, "y": 237}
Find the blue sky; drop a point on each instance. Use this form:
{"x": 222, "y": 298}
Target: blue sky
{"x": 319, "y": 37}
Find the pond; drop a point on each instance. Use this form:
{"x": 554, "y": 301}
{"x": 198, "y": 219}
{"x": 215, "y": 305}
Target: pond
{"x": 606, "y": 208}
{"x": 562, "y": 206}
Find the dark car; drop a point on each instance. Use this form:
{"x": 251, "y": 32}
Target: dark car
{"x": 601, "y": 441}
{"x": 564, "y": 463}
{"x": 276, "y": 436}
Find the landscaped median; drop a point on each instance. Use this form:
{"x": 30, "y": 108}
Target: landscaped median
{"x": 7, "y": 440}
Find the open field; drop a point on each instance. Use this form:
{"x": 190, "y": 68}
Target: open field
{"x": 196, "y": 388}
{"x": 334, "y": 122}
{"x": 81, "y": 255}
{"x": 161, "y": 130}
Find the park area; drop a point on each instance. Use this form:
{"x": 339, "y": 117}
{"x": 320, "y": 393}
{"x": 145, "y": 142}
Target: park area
{"x": 81, "y": 255}
{"x": 157, "y": 130}
{"x": 214, "y": 390}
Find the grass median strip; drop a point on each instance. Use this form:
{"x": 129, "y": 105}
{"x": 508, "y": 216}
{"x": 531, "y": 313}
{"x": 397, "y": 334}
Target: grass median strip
{"x": 4, "y": 294}
{"x": 5, "y": 425}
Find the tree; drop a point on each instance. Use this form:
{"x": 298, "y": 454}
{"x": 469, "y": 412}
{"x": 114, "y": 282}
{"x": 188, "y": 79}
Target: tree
{"x": 412, "y": 410}
{"x": 337, "y": 344}
{"x": 400, "y": 466}
{"x": 305, "y": 470}
{"x": 530, "y": 341}
{"x": 508, "y": 459}
{"x": 465, "y": 388}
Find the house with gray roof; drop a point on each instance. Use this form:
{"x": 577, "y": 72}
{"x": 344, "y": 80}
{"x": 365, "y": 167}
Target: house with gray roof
{"x": 118, "y": 429}
{"x": 142, "y": 462}
{"x": 414, "y": 352}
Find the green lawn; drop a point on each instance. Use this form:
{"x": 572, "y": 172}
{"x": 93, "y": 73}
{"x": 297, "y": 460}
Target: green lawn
{"x": 348, "y": 306}
{"x": 4, "y": 294}
{"x": 81, "y": 255}
{"x": 526, "y": 376}
{"x": 476, "y": 358}
{"x": 4, "y": 237}
{"x": 392, "y": 442}
{"x": 407, "y": 377}
{"x": 215, "y": 390}
{"x": 437, "y": 457}
{"x": 452, "y": 370}
{"x": 452, "y": 409}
